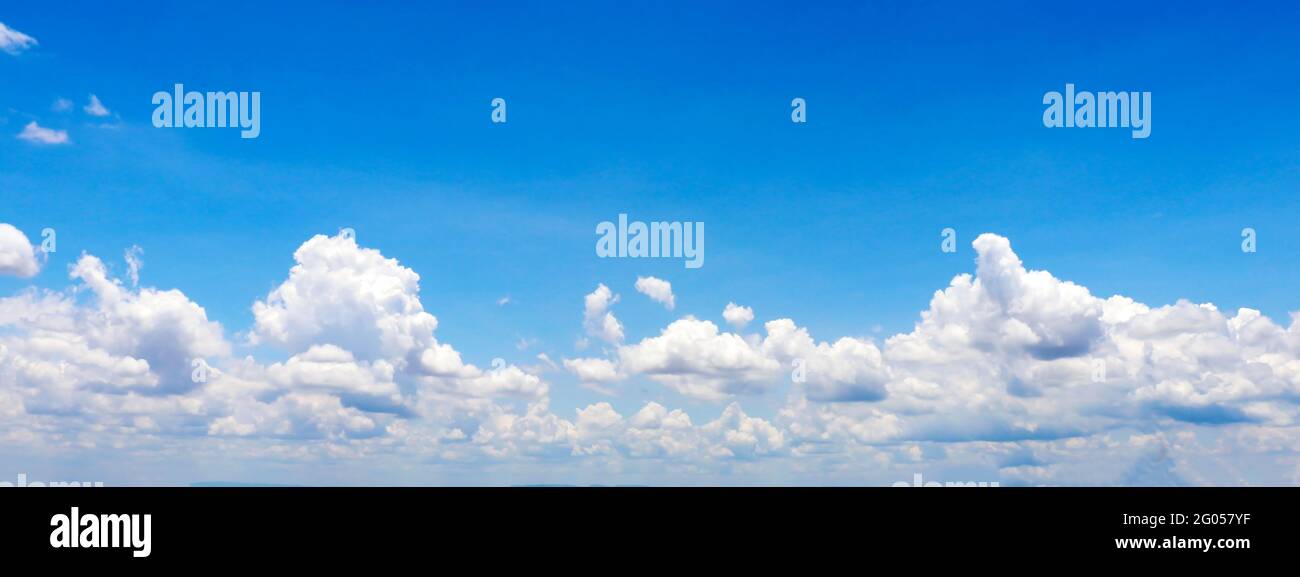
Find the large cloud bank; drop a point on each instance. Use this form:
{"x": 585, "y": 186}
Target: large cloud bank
{"x": 1011, "y": 374}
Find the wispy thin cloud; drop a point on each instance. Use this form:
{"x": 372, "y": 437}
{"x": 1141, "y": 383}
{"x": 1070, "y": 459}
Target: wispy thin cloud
{"x": 13, "y": 41}
{"x": 95, "y": 107}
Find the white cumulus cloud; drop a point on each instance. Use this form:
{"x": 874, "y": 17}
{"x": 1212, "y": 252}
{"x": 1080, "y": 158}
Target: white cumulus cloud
{"x": 598, "y": 321}
{"x": 737, "y": 316}
{"x": 660, "y": 291}
{"x": 17, "y": 255}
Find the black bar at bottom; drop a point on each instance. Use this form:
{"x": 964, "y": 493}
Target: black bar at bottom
{"x": 534, "y": 528}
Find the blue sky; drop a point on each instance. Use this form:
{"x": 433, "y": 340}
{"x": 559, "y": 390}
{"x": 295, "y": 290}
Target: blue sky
{"x": 921, "y": 116}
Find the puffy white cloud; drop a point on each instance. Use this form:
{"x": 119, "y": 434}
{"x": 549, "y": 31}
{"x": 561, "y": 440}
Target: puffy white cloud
{"x": 135, "y": 356}
{"x": 694, "y": 358}
{"x": 360, "y": 303}
{"x": 17, "y": 256}
{"x": 1005, "y": 355}
{"x": 596, "y": 371}
{"x": 659, "y": 290}
{"x": 742, "y": 436}
{"x": 848, "y": 370}
{"x": 330, "y": 368}
{"x": 100, "y": 360}
{"x": 507, "y": 381}
{"x": 306, "y": 415}
{"x": 1012, "y": 354}
{"x": 653, "y": 432}
{"x": 737, "y": 316}
{"x": 37, "y": 134}
{"x": 13, "y": 41}
{"x": 597, "y": 319}
{"x": 536, "y": 432}
{"x": 163, "y": 328}
{"x": 341, "y": 294}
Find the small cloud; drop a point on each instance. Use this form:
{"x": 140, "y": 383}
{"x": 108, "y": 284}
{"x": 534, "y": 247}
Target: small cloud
{"x": 13, "y": 41}
{"x": 737, "y": 316}
{"x": 659, "y": 290}
{"x": 503, "y": 301}
{"x": 544, "y": 365}
{"x": 38, "y": 134}
{"x": 61, "y": 105}
{"x": 597, "y": 319}
{"x": 547, "y": 359}
{"x": 95, "y": 107}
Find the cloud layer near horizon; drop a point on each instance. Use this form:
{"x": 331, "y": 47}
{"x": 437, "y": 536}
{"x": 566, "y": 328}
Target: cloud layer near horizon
{"x": 1010, "y": 371}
